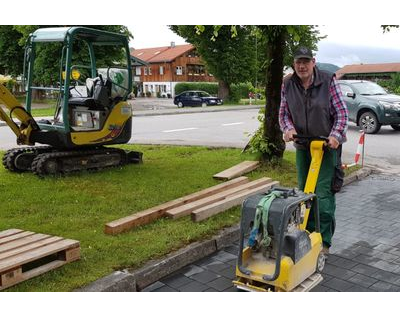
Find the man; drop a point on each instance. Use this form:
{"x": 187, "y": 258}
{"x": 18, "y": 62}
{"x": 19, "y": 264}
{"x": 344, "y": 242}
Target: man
{"x": 312, "y": 105}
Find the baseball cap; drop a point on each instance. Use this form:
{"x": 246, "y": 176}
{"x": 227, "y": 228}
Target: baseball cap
{"x": 303, "y": 52}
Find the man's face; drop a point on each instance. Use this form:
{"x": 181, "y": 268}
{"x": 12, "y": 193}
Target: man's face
{"x": 304, "y": 67}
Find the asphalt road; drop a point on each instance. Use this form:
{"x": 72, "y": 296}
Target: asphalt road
{"x": 231, "y": 128}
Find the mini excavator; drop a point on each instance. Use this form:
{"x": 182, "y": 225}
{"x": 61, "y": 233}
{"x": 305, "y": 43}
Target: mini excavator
{"x": 91, "y": 109}
{"x": 276, "y": 252}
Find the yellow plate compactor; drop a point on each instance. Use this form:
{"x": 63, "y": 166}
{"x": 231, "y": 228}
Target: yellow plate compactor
{"x": 276, "y": 252}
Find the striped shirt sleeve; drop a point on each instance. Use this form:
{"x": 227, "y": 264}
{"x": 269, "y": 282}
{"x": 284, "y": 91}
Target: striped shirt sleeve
{"x": 338, "y": 111}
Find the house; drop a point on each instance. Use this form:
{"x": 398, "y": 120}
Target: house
{"x": 368, "y": 71}
{"x": 167, "y": 66}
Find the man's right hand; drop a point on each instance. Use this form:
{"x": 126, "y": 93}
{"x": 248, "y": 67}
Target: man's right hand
{"x": 288, "y": 136}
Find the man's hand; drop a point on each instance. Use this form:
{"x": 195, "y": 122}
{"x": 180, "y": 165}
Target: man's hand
{"x": 333, "y": 142}
{"x": 288, "y": 136}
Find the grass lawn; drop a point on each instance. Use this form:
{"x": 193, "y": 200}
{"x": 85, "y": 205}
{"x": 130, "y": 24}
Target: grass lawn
{"x": 78, "y": 206}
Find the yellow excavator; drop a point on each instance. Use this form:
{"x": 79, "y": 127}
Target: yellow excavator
{"x": 91, "y": 109}
{"x": 276, "y": 252}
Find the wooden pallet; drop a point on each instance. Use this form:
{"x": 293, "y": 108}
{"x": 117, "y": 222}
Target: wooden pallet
{"x": 24, "y": 255}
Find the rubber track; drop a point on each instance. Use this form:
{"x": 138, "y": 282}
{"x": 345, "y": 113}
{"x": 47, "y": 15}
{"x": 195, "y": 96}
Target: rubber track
{"x": 39, "y": 163}
{"x": 11, "y": 154}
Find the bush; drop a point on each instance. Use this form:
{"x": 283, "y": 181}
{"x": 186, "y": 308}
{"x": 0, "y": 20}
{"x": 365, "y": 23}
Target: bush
{"x": 211, "y": 88}
{"x": 148, "y": 94}
{"x": 241, "y": 91}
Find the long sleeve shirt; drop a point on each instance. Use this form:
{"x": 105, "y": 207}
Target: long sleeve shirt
{"x": 338, "y": 110}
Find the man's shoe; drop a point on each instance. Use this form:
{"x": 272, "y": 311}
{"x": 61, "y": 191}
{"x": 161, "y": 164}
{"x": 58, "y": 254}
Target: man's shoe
{"x": 325, "y": 251}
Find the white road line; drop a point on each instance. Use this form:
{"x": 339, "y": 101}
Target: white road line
{"x": 180, "y": 130}
{"x": 229, "y": 124}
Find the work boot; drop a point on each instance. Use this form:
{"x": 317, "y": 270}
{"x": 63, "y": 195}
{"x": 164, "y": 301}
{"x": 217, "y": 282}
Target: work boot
{"x": 325, "y": 251}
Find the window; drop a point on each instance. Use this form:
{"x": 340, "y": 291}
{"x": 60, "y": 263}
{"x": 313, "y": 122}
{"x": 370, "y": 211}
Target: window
{"x": 345, "y": 89}
{"x": 138, "y": 71}
{"x": 149, "y": 71}
{"x": 145, "y": 71}
{"x": 161, "y": 70}
{"x": 179, "y": 70}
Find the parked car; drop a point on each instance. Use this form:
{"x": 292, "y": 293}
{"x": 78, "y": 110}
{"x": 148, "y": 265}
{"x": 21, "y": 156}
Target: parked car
{"x": 196, "y": 98}
{"x": 370, "y": 106}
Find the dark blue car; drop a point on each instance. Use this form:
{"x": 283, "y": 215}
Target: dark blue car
{"x": 196, "y": 98}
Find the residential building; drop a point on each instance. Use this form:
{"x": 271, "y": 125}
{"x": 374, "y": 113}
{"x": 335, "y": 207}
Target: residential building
{"x": 368, "y": 71}
{"x": 167, "y": 66}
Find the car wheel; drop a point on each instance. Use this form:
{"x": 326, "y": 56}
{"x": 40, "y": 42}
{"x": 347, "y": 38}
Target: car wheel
{"x": 396, "y": 127}
{"x": 368, "y": 122}
{"x": 203, "y": 104}
{"x": 180, "y": 104}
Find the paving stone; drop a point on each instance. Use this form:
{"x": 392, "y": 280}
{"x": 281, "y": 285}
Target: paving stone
{"x": 194, "y": 286}
{"x": 176, "y": 280}
{"x": 387, "y": 277}
{"x": 224, "y": 256}
{"x": 216, "y": 266}
{"x": 382, "y": 286}
{"x": 153, "y": 287}
{"x": 191, "y": 270}
{"x": 232, "y": 249}
{"x": 338, "y": 272}
{"x": 320, "y": 288}
{"x": 231, "y": 289}
{"x": 364, "y": 269}
{"x": 364, "y": 259}
{"x": 343, "y": 263}
{"x": 358, "y": 288}
{"x": 362, "y": 280}
{"x": 338, "y": 285}
{"x": 165, "y": 288}
{"x": 205, "y": 276}
{"x": 229, "y": 273}
{"x": 384, "y": 265}
{"x": 220, "y": 284}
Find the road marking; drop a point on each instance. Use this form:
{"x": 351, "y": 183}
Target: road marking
{"x": 229, "y": 124}
{"x": 180, "y": 130}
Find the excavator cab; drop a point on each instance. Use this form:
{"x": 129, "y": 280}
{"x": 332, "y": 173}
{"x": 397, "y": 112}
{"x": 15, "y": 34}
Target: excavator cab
{"x": 91, "y": 108}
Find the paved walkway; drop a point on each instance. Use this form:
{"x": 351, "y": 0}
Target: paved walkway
{"x": 365, "y": 255}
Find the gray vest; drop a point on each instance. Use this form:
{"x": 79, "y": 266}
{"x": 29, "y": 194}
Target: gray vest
{"x": 310, "y": 108}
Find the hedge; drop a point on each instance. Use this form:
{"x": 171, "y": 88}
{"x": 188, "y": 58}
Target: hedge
{"x": 211, "y": 88}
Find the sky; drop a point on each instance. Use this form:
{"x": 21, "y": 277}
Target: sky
{"x": 344, "y": 45}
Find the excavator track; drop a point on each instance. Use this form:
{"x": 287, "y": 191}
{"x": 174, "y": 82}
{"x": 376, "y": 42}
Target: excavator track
{"x": 20, "y": 159}
{"x": 65, "y": 162}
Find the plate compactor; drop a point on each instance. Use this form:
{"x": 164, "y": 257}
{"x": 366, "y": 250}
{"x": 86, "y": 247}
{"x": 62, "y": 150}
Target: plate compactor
{"x": 276, "y": 252}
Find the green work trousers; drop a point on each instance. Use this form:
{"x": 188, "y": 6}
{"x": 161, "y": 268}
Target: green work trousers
{"x": 325, "y": 196}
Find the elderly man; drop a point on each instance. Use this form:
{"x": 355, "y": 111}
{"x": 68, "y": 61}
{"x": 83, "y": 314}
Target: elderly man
{"x": 312, "y": 105}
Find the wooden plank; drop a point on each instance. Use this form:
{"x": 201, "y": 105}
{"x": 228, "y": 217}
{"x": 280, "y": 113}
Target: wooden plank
{"x": 9, "y": 232}
{"x": 238, "y": 170}
{"x": 21, "y": 242}
{"x": 231, "y": 201}
{"x": 188, "y": 208}
{"x": 15, "y": 237}
{"x": 27, "y": 247}
{"x": 20, "y": 259}
{"x": 149, "y": 215}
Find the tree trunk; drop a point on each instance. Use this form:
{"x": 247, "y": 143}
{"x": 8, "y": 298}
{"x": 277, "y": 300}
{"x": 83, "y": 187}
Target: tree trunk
{"x": 275, "y": 52}
{"x": 223, "y": 90}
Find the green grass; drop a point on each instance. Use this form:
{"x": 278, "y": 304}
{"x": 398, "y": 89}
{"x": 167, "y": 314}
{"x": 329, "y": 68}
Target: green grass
{"x": 78, "y": 206}
{"x": 43, "y": 112}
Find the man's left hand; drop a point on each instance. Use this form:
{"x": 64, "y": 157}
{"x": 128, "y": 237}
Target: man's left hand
{"x": 333, "y": 142}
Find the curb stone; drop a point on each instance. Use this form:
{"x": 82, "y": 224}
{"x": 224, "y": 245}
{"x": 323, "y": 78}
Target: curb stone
{"x": 157, "y": 269}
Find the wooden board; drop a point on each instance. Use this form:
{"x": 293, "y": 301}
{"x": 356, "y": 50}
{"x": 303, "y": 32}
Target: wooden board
{"x": 238, "y": 170}
{"x": 149, "y": 215}
{"x": 188, "y": 208}
{"x": 229, "y": 202}
{"x": 24, "y": 255}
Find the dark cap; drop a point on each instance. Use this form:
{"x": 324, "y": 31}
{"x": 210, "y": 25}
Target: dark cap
{"x": 303, "y": 52}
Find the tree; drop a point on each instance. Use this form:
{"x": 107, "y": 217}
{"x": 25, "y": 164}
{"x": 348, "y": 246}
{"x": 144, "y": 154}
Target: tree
{"x": 276, "y": 42}
{"x": 228, "y": 56}
{"x": 12, "y": 55}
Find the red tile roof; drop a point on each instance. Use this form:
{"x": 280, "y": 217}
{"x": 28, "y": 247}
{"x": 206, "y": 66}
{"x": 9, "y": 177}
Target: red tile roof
{"x": 161, "y": 54}
{"x": 368, "y": 68}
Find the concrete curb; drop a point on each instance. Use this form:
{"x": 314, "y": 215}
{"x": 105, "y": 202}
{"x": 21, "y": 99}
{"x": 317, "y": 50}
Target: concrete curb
{"x": 157, "y": 269}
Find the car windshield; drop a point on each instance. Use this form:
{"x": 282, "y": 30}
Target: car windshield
{"x": 369, "y": 88}
{"x": 203, "y": 94}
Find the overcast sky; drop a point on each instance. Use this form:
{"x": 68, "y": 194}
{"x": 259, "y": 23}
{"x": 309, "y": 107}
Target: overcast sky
{"x": 344, "y": 45}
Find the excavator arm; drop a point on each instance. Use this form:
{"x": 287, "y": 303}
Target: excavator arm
{"x": 27, "y": 124}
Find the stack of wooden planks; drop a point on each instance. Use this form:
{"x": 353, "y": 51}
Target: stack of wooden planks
{"x": 201, "y": 205}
